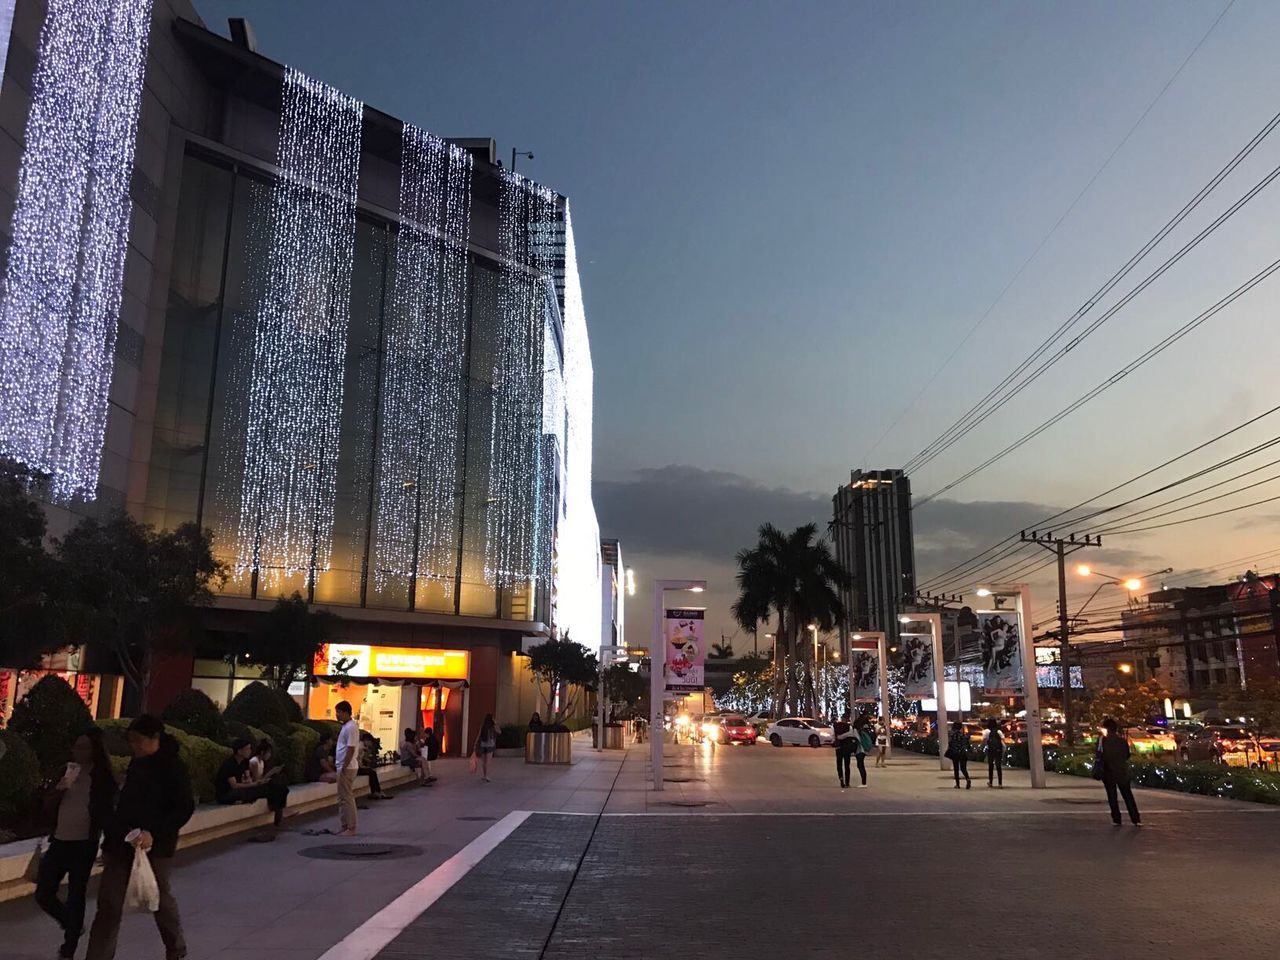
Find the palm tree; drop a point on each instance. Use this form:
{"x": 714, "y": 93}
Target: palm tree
{"x": 793, "y": 579}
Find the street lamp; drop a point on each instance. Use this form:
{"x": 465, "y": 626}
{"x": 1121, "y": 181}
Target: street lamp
{"x": 519, "y": 153}
{"x": 1132, "y": 584}
{"x": 657, "y": 670}
{"x": 813, "y": 627}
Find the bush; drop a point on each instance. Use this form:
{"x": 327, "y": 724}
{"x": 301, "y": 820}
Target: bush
{"x": 193, "y": 712}
{"x": 19, "y": 777}
{"x": 331, "y": 727}
{"x": 235, "y": 730}
{"x": 292, "y": 712}
{"x": 303, "y": 742}
{"x": 257, "y": 705}
{"x": 201, "y": 755}
{"x": 49, "y": 718}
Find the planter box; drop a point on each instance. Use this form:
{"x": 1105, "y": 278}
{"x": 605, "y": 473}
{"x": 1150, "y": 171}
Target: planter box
{"x": 546, "y": 747}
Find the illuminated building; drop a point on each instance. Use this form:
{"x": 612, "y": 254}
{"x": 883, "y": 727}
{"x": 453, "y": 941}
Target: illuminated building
{"x": 353, "y": 350}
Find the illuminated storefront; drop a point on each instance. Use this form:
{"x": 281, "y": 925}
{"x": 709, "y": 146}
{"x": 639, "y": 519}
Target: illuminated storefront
{"x": 393, "y": 688}
{"x": 101, "y": 694}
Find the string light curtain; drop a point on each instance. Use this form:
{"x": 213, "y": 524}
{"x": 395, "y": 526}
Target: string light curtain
{"x": 64, "y": 275}
{"x": 527, "y": 217}
{"x": 294, "y": 407}
{"x": 424, "y": 343}
{"x": 578, "y": 553}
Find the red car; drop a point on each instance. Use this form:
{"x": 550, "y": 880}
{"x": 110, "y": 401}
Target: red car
{"x": 729, "y": 730}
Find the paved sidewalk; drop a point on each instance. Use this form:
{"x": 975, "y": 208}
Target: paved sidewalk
{"x": 250, "y": 901}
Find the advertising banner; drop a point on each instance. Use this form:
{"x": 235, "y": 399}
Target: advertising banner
{"x": 686, "y": 653}
{"x": 1000, "y": 640}
{"x": 918, "y": 663}
{"x": 864, "y": 671}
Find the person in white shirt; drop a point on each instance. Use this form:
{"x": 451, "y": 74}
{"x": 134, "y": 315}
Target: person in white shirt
{"x": 347, "y": 762}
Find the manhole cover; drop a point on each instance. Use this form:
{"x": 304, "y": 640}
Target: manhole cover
{"x": 361, "y": 851}
{"x": 477, "y": 818}
{"x": 686, "y": 803}
{"x": 684, "y": 779}
{"x": 1072, "y": 800}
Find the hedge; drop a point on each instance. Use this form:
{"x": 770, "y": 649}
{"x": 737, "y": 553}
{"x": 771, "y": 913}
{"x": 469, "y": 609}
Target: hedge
{"x": 331, "y": 727}
{"x": 49, "y": 718}
{"x": 19, "y": 777}
{"x": 258, "y": 705}
{"x": 201, "y": 755}
{"x": 193, "y": 712}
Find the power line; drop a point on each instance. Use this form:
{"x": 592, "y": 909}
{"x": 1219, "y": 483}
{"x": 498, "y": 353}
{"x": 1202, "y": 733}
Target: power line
{"x": 1139, "y": 361}
{"x": 1052, "y": 230}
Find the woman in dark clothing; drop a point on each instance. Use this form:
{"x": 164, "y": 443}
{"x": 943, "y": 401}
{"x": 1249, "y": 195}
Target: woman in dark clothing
{"x": 1113, "y": 759}
{"x": 844, "y": 749}
{"x": 83, "y": 800}
{"x": 958, "y": 751}
{"x": 862, "y": 744}
{"x": 155, "y": 801}
{"x": 995, "y": 753}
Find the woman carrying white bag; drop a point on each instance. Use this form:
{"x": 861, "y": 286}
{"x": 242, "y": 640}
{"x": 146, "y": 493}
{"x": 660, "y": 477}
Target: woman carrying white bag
{"x": 155, "y": 802}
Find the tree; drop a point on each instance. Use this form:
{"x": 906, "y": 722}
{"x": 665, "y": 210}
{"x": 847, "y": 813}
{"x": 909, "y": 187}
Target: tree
{"x": 627, "y": 687}
{"x": 794, "y": 580}
{"x": 722, "y": 650}
{"x": 136, "y": 591}
{"x": 286, "y": 641}
{"x": 751, "y": 689}
{"x": 29, "y": 578}
{"x": 561, "y": 665}
{"x": 1128, "y": 706}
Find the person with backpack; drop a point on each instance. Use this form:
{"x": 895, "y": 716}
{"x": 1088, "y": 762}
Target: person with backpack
{"x": 82, "y": 802}
{"x": 958, "y": 754}
{"x": 1111, "y": 766}
{"x": 154, "y": 804}
{"x": 995, "y": 754}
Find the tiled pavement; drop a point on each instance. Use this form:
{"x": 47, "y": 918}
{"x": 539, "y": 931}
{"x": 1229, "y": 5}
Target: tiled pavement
{"x": 772, "y": 860}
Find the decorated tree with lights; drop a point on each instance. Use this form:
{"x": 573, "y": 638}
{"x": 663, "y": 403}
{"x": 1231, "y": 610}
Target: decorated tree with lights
{"x": 751, "y": 689}
{"x": 792, "y": 580}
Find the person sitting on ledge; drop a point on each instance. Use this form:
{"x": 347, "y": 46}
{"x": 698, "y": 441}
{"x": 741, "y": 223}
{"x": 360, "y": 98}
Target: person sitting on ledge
{"x": 320, "y": 766}
{"x": 235, "y": 784}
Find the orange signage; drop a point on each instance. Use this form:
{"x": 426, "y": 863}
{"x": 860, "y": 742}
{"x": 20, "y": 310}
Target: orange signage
{"x": 403, "y": 663}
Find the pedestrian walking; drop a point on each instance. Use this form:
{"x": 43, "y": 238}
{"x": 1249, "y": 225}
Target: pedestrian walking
{"x": 1111, "y": 766}
{"x": 844, "y": 749}
{"x": 486, "y": 743}
{"x": 995, "y": 754}
{"x": 154, "y": 803}
{"x": 882, "y": 744}
{"x": 82, "y": 800}
{"x": 862, "y": 744}
{"x": 346, "y": 763}
{"x": 958, "y": 753}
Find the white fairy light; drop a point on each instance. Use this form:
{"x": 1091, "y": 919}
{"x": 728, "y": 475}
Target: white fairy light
{"x": 424, "y": 342}
{"x": 577, "y": 586}
{"x": 294, "y": 408}
{"x": 527, "y": 222}
{"x": 64, "y": 276}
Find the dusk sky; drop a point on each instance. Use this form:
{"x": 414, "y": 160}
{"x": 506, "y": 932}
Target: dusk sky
{"x": 789, "y": 215}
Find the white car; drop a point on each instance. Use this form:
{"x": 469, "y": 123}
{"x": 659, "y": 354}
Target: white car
{"x": 800, "y": 731}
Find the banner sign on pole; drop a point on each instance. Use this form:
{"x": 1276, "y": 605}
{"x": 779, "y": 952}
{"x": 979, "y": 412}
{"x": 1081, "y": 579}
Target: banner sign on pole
{"x": 686, "y": 654}
{"x": 918, "y": 654}
{"x": 1000, "y": 640}
{"x": 864, "y": 671}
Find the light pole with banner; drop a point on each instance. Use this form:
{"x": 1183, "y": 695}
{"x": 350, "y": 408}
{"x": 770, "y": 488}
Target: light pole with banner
{"x": 864, "y": 648}
{"x": 660, "y": 653}
{"x": 926, "y": 669}
{"x": 1026, "y": 647}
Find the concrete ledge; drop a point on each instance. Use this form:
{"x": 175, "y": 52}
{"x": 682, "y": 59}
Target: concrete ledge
{"x": 209, "y": 822}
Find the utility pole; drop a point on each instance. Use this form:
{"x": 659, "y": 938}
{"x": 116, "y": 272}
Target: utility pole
{"x": 1062, "y": 549}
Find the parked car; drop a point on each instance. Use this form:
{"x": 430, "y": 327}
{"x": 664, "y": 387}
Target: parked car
{"x": 1150, "y": 740}
{"x": 729, "y": 729}
{"x": 799, "y": 731}
{"x": 1234, "y": 746}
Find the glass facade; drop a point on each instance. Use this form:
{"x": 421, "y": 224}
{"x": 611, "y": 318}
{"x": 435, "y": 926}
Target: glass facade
{"x": 198, "y": 450}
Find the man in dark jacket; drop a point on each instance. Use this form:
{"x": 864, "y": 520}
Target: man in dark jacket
{"x": 155, "y": 801}
{"x": 1113, "y": 756}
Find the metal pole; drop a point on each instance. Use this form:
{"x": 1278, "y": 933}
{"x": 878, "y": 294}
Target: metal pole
{"x": 600, "y": 704}
{"x": 882, "y": 645}
{"x": 657, "y": 687}
{"x": 939, "y": 677}
{"x": 1064, "y": 638}
{"x": 1031, "y": 694}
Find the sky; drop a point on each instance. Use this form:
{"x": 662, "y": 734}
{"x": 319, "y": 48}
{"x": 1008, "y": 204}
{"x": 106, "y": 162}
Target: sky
{"x": 790, "y": 216}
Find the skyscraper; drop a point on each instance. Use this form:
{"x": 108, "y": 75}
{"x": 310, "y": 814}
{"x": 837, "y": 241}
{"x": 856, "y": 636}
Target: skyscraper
{"x": 871, "y": 526}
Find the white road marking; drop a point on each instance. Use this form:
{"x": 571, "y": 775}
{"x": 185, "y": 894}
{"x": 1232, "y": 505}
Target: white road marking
{"x": 367, "y": 940}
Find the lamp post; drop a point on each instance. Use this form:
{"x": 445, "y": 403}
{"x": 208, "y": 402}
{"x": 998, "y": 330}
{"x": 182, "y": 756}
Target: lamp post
{"x": 658, "y": 670}
{"x": 813, "y": 671}
{"x": 519, "y": 153}
{"x": 1030, "y": 692}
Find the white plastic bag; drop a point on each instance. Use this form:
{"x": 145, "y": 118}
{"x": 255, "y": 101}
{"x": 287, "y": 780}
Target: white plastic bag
{"x": 143, "y": 893}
